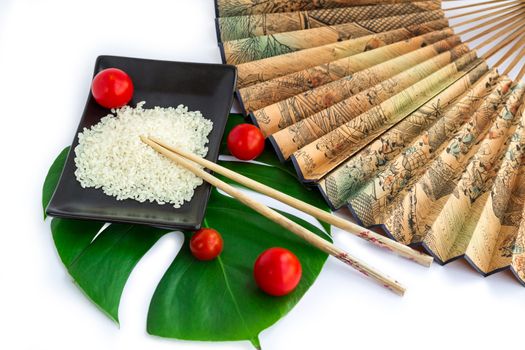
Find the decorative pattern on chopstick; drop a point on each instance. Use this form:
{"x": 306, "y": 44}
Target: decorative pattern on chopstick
{"x": 283, "y": 114}
{"x": 259, "y": 47}
{"x": 300, "y": 134}
{"x": 282, "y": 220}
{"x": 240, "y": 27}
{"x": 266, "y": 93}
{"x": 316, "y": 159}
{"x": 227, "y": 8}
{"x": 341, "y": 184}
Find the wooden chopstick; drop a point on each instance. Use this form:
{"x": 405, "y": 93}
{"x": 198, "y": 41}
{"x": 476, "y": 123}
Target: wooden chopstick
{"x": 282, "y": 220}
{"x": 370, "y": 236}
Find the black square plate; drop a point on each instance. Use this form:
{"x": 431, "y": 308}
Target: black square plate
{"x": 204, "y": 87}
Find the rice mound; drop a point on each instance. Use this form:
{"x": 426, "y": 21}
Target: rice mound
{"x": 111, "y": 156}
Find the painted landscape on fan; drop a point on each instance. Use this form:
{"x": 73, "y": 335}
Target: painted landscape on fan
{"x": 396, "y": 110}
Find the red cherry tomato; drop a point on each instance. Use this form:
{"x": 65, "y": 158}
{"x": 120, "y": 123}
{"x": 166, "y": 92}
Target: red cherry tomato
{"x": 277, "y": 271}
{"x": 206, "y": 244}
{"x": 112, "y": 88}
{"x": 245, "y": 142}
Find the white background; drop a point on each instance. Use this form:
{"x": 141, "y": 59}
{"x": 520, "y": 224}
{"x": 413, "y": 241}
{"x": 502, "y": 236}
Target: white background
{"x": 47, "y": 52}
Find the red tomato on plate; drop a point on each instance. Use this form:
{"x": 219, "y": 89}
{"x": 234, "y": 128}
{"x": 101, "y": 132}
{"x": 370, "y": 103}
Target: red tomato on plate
{"x": 277, "y": 271}
{"x": 112, "y": 88}
{"x": 245, "y": 141}
{"x": 206, "y": 244}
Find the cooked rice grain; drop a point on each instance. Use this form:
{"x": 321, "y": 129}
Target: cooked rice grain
{"x": 111, "y": 156}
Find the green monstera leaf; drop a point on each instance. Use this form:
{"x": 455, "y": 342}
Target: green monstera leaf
{"x": 219, "y": 300}
{"x": 212, "y": 301}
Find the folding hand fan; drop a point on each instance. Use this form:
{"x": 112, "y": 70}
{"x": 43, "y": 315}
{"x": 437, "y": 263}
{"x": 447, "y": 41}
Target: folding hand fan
{"x": 396, "y": 110}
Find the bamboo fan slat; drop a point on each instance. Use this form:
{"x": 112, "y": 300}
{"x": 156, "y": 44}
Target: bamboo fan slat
{"x": 491, "y": 18}
{"x": 397, "y": 111}
{"x": 500, "y": 7}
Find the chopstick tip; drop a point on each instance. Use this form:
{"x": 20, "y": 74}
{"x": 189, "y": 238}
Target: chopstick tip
{"x": 427, "y": 260}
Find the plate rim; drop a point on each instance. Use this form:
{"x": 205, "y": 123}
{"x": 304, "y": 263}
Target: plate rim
{"x": 57, "y": 213}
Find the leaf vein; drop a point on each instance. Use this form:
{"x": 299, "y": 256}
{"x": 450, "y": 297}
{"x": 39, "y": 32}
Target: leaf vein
{"x": 84, "y": 251}
{"x": 228, "y": 288}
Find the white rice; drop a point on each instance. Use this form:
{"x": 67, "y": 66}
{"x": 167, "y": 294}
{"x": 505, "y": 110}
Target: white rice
{"x": 111, "y": 156}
